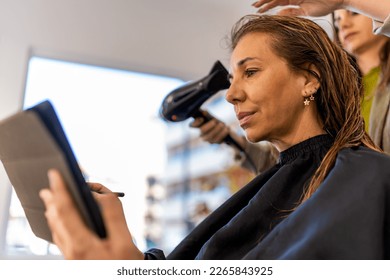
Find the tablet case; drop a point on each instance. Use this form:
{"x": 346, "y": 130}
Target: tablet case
{"x": 32, "y": 142}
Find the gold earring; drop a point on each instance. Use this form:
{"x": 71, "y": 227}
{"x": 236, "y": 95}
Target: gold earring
{"x": 307, "y": 100}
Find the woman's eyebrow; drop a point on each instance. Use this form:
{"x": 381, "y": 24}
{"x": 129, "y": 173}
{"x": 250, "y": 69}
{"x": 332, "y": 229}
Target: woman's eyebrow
{"x": 240, "y": 63}
{"x": 243, "y": 61}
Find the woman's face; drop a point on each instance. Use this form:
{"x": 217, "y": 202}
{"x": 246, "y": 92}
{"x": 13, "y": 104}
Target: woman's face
{"x": 267, "y": 96}
{"x": 355, "y": 32}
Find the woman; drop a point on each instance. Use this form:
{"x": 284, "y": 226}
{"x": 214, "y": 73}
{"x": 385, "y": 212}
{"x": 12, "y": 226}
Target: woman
{"x": 372, "y": 52}
{"x": 291, "y": 86}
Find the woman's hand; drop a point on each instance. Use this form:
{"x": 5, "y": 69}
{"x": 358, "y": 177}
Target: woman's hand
{"x": 73, "y": 237}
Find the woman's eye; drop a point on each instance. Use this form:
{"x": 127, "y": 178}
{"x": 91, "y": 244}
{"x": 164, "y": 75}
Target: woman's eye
{"x": 250, "y": 72}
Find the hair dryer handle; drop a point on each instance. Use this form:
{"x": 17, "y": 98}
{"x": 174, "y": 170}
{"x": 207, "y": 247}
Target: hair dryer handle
{"x": 228, "y": 139}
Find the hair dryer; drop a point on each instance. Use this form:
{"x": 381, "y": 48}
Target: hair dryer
{"x": 185, "y": 101}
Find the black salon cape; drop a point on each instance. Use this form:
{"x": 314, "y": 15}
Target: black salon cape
{"x": 348, "y": 217}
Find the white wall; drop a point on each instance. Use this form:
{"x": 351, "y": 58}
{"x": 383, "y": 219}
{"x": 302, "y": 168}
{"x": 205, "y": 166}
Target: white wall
{"x": 177, "y": 38}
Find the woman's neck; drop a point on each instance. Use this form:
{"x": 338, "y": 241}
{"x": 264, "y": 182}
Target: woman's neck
{"x": 369, "y": 59}
{"x": 307, "y": 126}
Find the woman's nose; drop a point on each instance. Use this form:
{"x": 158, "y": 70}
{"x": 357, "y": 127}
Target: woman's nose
{"x": 230, "y": 95}
{"x": 234, "y": 94}
{"x": 345, "y": 22}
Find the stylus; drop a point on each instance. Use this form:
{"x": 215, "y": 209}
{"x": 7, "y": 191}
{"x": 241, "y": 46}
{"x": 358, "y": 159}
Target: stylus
{"x": 118, "y": 194}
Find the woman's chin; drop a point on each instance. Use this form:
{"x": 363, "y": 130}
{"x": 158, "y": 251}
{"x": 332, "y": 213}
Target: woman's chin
{"x": 253, "y": 138}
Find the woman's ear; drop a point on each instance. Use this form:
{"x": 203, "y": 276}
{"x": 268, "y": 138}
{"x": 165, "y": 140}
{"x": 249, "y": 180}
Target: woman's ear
{"x": 312, "y": 82}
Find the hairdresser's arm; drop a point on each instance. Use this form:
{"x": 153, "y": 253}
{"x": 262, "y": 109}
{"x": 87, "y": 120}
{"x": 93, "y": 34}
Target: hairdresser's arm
{"x": 376, "y": 9}
{"x": 71, "y": 235}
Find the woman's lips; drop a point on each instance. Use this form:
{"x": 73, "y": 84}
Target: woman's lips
{"x": 349, "y": 35}
{"x": 244, "y": 118}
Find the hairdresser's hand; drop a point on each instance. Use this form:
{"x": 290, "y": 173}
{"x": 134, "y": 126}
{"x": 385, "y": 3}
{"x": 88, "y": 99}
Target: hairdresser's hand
{"x": 71, "y": 235}
{"x": 305, "y": 7}
{"x": 213, "y": 131}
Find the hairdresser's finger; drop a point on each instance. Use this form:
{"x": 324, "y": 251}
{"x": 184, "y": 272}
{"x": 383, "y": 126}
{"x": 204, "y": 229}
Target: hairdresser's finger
{"x": 259, "y": 3}
{"x": 214, "y": 131}
{"x": 291, "y": 12}
{"x": 266, "y": 5}
{"x": 208, "y": 127}
{"x": 197, "y": 122}
{"x": 206, "y": 114}
{"x": 220, "y": 137}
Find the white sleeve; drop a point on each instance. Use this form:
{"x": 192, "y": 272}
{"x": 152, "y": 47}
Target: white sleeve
{"x": 382, "y": 27}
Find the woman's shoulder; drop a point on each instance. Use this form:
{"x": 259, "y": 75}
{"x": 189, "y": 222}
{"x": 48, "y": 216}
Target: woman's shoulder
{"x": 364, "y": 152}
{"x": 362, "y": 161}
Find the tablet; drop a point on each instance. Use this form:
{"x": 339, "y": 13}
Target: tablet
{"x": 32, "y": 142}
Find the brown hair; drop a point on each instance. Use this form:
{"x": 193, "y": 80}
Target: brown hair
{"x": 301, "y": 42}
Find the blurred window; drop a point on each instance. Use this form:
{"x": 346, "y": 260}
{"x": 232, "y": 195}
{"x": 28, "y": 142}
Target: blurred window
{"x": 111, "y": 120}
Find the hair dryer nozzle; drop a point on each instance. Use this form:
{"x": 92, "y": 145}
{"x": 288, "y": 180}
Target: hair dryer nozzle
{"x": 185, "y": 101}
